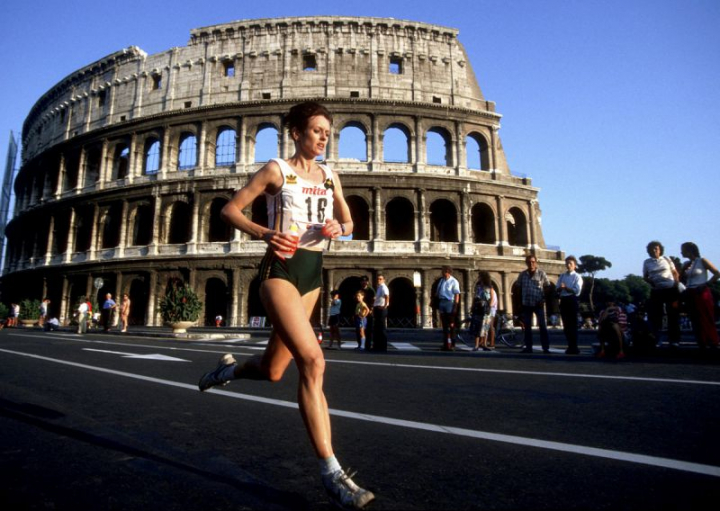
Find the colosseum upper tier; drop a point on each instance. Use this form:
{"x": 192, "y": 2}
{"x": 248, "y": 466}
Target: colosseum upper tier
{"x": 128, "y": 161}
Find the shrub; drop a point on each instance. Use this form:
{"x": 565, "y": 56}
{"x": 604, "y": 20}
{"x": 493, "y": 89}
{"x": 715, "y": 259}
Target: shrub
{"x": 30, "y": 309}
{"x": 180, "y": 303}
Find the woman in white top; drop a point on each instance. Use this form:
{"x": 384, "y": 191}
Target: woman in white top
{"x": 699, "y": 299}
{"x": 660, "y": 273}
{"x": 306, "y": 208}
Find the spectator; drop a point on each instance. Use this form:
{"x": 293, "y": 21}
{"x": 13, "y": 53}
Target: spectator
{"x": 124, "y": 313}
{"x": 218, "y": 321}
{"x": 107, "y": 310}
{"x": 659, "y": 271}
{"x": 334, "y": 318}
{"x": 51, "y": 324}
{"x": 380, "y": 311}
{"x": 699, "y": 298}
{"x": 611, "y": 330}
{"x": 369, "y": 298}
{"x": 483, "y": 313}
{"x": 532, "y": 284}
{"x": 44, "y": 306}
{"x": 569, "y": 285}
{"x": 448, "y": 293}
{"x": 361, "y": 314}
{"x": 14, "y": 315}
{"x": 82, "y": 316}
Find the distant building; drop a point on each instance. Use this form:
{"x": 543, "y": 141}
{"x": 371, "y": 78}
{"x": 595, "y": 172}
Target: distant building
{"x": 128, "y": 161}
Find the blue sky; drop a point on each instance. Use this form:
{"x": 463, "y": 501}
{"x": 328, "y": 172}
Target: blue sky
{"x": 611, "y": 107}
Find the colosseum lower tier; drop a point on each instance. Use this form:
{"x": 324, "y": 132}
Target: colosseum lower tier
{"x": 128, "y": 161}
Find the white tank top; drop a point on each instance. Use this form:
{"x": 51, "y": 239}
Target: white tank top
{"x": 696, "y": 274}
{"x": 305, "y": 204}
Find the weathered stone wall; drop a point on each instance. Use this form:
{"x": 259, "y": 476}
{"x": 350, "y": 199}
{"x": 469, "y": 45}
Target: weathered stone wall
{"x": 89, "y": 203}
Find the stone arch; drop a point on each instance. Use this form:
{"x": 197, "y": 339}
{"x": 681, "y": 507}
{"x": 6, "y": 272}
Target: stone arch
{"x": 152, "y": 155}
{"x": 258, "y": 213}
{"x": 400, "y": 220}
{"x": 140, "y": 224}
{"x": 213, "y": 228}
{"x": 483, "y": 223}
{"x": 139, "y": 293}
{"x": 360, "y": 213}
{"x": 217, "y": 299}
{"x": 120, "y": 161}
{"x": 403, "y": 297}
{"x": 266, "y": 143}
{"x": 516, "y": 227}
{"x": 348, "y": 288}
{"x": 443, "y": 221}
{"x": 353, "y": 142}
{"x": 187, "y": 157}
{"x": 110, "y": 223}
{"x": 178, "y": 219}
{"x": 84, "y": 217}
{"x": 477, "y": 152}
{"x": 254, "y": 304}
{"x": 225, "y": 146}
{"x": 396, "y": 143}
{"x": 438, "y": 147}
{"x": 93, "y": 162}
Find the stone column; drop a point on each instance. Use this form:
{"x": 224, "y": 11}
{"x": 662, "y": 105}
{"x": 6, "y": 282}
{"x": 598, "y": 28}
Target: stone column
{"x": 165, "y": 153}
{"x": 157, "y": 224}
{"x": 122, "y": 243}
{"x": 418, "y": 141}
{"x": 375, "y": 146}
{"x": 64, "y": 312}
{"x": 464, "y": 217}
{"x": 152, "y": 290}
{"x": 132, "y": 160}
{"x": 81, "y": 170}
{"x": 192, "y": 245}
{"x": 104, "y": 167}
{"x": 70, "y": 246}
{"x": 532, "y": 225}
{"x": 502, "y": 235}
{"x": 96, "y": 233}
{"x": 235, "y": 310}
{"x": 506, "y": 303}
{"x": 202, "y": 148}
{"x": 61, "y": 176}
{"x": 378, "y": 235}
{"x": 50, "y": 240}
{"x": 427, "y": 279}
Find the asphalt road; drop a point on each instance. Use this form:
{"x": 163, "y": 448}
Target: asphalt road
{"x": 105, "y": 422}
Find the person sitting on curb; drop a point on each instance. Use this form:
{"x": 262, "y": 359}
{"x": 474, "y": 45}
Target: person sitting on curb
{"x": 613, "y": 324}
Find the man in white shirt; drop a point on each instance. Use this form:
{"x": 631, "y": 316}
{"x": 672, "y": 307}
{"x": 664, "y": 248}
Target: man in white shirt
{"x": 569, "y": 285}
{"x": 448, "y": 292}
{"x": 380, "y": 311}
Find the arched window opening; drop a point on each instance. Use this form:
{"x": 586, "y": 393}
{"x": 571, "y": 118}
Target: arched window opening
{"x": 218, "y": 229}
{"x": 83, "y": 228}
{"x": 443, "y": 221}
{"x": 483, "y": 224}
{"x": 360, "y": 214}
{"x": 72, "y": 167}
{"x": 61, "y": 234}
{"x": 138, "y": 302}
{"x": 142, "y": 226}
{"x": 152, "y": 156}
{"x": 180, "y": 221}
{"x": 225, "y": 147}
{"x": 121, "y": 162}
{"x": 255, "y": 308}
{"x": 92, "y": 166}
{"x": 516, "y": 227}
{"x": 353, "y": 143}
{"x": 401, "y": 313}
{"x": 187, "y": 155}
{"x": 111, "y": 227}
{"x": 400, "y": 220}
{"x": 217, "y": 301}
{"x": 259, "y": 213}
{"x": 478, "y": 154}
{"x": 266, "y": 143}
{"x": 396, "y": 144}
{"x": 437, "y": 147}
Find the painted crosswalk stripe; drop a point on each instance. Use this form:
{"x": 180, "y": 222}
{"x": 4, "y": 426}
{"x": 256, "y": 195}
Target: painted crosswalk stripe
{"x": 404, "y": 346}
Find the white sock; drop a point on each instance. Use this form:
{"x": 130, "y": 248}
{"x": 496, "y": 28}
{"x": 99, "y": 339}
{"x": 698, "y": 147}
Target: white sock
{"x": 329, "y": 465}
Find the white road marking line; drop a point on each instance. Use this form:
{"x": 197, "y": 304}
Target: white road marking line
{"x": 404, "y": 366}
{"x": 654, "y": 461}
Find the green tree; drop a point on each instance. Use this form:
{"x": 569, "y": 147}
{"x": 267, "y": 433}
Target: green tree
{"x": 638, "y": 288}
{"x": 591, "y": 265}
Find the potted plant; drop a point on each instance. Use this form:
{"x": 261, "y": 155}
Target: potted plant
{"x": 181, "y": 307}
{"x": 29, "y": 312}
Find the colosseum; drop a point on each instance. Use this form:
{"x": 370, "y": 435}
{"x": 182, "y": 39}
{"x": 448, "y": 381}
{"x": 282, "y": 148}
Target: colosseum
{"x": 128, "y": 161}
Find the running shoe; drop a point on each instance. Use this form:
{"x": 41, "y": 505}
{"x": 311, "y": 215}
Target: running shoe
{"x": 212, "y": 379}
{"x": 344, "y": 493}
